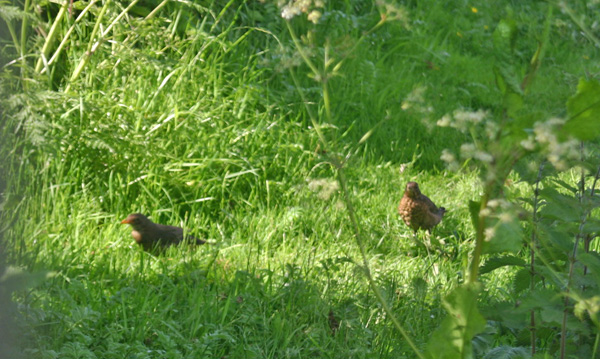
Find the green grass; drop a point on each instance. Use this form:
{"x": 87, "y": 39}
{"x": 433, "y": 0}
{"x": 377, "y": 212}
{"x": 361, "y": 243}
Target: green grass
{"x": 192, "y": 118}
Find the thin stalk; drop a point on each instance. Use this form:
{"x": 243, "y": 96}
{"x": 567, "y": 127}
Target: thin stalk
{"x": 13, "y": 35}
{"x": 479, "y": 238}
{"x": 51, "y": 36}
{"x": 301, "y": 51}
{"x": 93, "y": 46}
{"x": 366, "y": 270}
{"x": 533, "y": 244}
{"x": 572, "y": 261}
{"x": 351, "y": 212}
{"x": 588, "y": 237}
{"x": 68, "y": 34}
{"x": 502, "y": 168}
{"x": 360, "y": 40}
{"x": 88, "y": 53}
{"x": 157, "y": 9}
{"x": 324, "y": 81}
{"x": 596, "y": 344}
{"x": 589, "y": 33}
{"x": 24, "y": 26}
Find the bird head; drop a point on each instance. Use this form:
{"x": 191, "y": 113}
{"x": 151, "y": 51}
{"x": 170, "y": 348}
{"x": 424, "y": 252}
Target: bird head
{"x": 136, "y": 220}
{"x": 412, "y": 189}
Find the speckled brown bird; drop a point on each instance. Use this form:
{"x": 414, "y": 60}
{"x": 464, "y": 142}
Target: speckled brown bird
{"x": 150, "y": 235}
{"x": 417, "y": 210}
{"x": 334, "y": 323}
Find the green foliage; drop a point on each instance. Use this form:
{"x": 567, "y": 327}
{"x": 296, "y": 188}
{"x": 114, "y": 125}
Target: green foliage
{"x": 453, "y": 338}
{"x": 584, "y": 111}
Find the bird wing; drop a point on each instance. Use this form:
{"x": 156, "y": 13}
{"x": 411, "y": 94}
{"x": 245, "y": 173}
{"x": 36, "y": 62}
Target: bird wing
{"x": 430, "y": 205}
{"x": 170, "y": 234}
{"x": 175, "y": 235}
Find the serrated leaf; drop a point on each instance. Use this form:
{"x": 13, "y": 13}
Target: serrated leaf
{"x": 556, "y": 243}
{"x": 592, "y": 261}
{"x": 559, "y": 206}
{"x": 558, "y": 211}
{"x": 553, "y": 195}
{"x": 452, "y": 340}
{"x": 522, "y": 280}
{"x": 584, "y": 111}
{"x": 539, "y": 298}
{"x": 507, "y": 352}
{"x": 498, "y": 262}
{"x": 566, "y": 185}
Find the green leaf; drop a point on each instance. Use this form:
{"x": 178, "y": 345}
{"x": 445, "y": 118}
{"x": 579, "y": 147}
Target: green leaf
{"x": 591, "y": 226}
{"x": 558, "y": 211}
{"x": 584, "y": 111}
{"x": 497, "y": 262}
{"x": 592, "y": 261}
{"x": 507, "y": 236}
{"x": 507, "y": 352}
{"x": 452, "y": 340}
{"x": 559, "y": 206}
{"x": 506, "y": 80}
{"x": 555, "y": 242}
{"x": 14, "y": 279}
{"x": 522, "y": 280}
{"x": 565, "y": 185}
{"x": 505, "y": 35}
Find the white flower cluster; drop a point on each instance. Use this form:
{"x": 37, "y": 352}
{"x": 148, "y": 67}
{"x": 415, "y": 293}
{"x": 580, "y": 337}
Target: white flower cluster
{"x": 462, "y": 119}
{"x": 296, "y": 7}
{"x": 467, "y": 151}
{"x": 391, "y": 12}
{"x": 415, "y": 102}
{"x": 559, "y": 153}
{"x": 323, "y": 187}
{"x": 501, "y": 209}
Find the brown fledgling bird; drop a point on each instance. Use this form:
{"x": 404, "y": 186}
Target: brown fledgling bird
{"x": 334, "y": 323}
{"x": 417, "y": 210}
{"x": 150, "y": 235}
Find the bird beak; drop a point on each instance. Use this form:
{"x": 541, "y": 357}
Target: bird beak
{"x": 125, "y": 221}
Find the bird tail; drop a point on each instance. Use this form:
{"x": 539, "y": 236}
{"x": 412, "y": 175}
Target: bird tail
{"x": 442, "y": 211}
{"x": 199, "y": 241}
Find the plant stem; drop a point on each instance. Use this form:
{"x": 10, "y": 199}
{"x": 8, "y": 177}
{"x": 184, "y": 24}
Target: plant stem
{"x": 532, "y": 251}
{"x": 342, "y": 180}
{"x": 23, "y": 46}
{"x": 589, "y": 33}
{"x": 68, "y": 34}
{"x": 50, "y": 38}
{"x": 589, "y": 237}
{"x": 366, "y": 270}
{"x": 572, "y": 261}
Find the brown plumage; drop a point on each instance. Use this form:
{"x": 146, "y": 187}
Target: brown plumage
{"x": 150, "y": 235}
{"x": 334, "y": 323}
{"x": 417, "y": 211}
